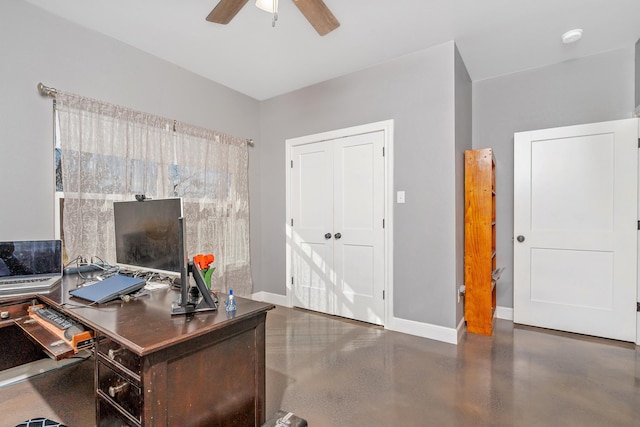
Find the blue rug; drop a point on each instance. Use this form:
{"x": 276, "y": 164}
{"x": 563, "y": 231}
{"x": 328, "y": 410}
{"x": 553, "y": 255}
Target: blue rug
{"x": 40, "y": 422}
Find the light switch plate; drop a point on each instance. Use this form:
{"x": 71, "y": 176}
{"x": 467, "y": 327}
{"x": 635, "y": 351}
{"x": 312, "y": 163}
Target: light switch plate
{"x": 400, "y": 197}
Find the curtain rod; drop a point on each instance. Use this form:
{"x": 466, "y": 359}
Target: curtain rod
{"x": 53, "y": 92}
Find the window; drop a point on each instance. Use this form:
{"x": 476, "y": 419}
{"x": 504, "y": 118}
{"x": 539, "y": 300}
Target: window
{"x": 105, "y": 153}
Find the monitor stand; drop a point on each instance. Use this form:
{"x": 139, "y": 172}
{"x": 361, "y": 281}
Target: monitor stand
{"x": 194, "y": 299}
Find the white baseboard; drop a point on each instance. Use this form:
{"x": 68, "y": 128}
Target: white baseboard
{"x": 270, "y": 298}
{"x": 505, "y": 313}
{"x": 424, "y": 330}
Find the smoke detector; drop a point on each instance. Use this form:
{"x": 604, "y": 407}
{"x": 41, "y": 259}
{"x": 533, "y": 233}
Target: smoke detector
{"x": 571, "y": 36}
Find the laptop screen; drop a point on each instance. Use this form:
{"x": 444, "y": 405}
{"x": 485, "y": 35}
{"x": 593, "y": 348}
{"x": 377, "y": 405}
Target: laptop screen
{"x": 30, "y": 258}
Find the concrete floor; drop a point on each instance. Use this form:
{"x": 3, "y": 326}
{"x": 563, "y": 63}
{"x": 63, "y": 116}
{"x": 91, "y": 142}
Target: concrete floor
{"x": 335, "y": 372}
{"x": 342, "y": 373}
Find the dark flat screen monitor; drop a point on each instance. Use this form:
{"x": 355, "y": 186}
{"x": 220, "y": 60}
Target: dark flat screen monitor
{"x": 147, "y": 235}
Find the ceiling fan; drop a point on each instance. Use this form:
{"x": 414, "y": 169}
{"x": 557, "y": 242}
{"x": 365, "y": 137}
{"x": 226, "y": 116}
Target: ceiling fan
{"x": 316, "y": 12}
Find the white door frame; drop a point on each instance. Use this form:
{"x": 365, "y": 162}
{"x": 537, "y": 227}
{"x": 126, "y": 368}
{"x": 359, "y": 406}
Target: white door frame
{"x": 386, "y": 127}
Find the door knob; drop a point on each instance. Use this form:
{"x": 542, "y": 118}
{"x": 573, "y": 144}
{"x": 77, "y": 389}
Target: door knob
{"x": 520, "y": 238}
{"x": 337, "y": 236}
{"x": 327, "y": 236}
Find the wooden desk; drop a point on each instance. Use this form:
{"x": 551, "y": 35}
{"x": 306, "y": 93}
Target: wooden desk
{"x": 154, "y": 369}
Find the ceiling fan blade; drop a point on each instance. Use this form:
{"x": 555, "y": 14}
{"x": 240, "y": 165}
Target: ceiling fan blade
{"x": 224, "y": 12}
{"x": 318, "y": 14}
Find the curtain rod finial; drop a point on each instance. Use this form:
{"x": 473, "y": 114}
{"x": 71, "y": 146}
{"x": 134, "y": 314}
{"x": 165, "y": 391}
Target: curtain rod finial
{"x": 46, "y": 91}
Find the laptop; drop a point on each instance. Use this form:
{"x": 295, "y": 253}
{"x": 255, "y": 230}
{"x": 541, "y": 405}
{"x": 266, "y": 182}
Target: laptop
{"x": 29, "y": 265}
{"x": 109, "y": 289}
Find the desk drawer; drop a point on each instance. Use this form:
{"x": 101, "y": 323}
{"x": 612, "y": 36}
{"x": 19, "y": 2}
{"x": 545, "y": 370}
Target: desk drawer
{"x": 120, "y": 390}
{"x": 108, "y": 416}
{"x": 113, "y": 351}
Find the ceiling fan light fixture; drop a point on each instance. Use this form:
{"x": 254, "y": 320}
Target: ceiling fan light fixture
{"x": 315, "y": 11}
{"x": 270, "y": 6}
{"x": 571, "y": 36}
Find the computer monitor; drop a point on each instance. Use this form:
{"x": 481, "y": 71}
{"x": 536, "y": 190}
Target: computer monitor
{"x": 192, "y": 298}
{"x": 148, "y": 235}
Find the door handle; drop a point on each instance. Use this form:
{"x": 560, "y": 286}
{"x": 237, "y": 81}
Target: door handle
{"x": 337, "y": 236}
{"x": 327, "y": 236}
{"x": 520, "y": 238}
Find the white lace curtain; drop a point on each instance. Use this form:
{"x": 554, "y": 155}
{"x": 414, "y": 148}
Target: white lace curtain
{"x": 109, "y": 153}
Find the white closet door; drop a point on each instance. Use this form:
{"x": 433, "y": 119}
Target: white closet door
{"x": 358, "y": 217}
{"x": 312, "y": 216}
{"x": 336, "y": 236}
{"x": 575, "y": 228}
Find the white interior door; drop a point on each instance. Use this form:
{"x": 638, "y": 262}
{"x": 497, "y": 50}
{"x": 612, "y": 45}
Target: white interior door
{"x": 336, "y": 227}
{"x": 358, "y": 218}
{"x": 311, "y": 239}
{"x": 575, "y": 229}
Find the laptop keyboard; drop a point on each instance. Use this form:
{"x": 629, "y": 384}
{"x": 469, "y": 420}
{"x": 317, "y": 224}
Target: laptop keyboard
{"x": 18, "y": 281}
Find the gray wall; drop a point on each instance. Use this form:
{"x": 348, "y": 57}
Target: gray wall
{"x": 464, "y": 131}
{"x": 39, "y": 47}
{"x": 417, "y": 91}
{"x": 592, "y": 89}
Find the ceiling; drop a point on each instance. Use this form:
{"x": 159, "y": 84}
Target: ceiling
{"x": 494, "y": 37}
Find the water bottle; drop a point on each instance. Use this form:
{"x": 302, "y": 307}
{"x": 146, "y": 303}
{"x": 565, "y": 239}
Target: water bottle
{"x": 231, "y": 302}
